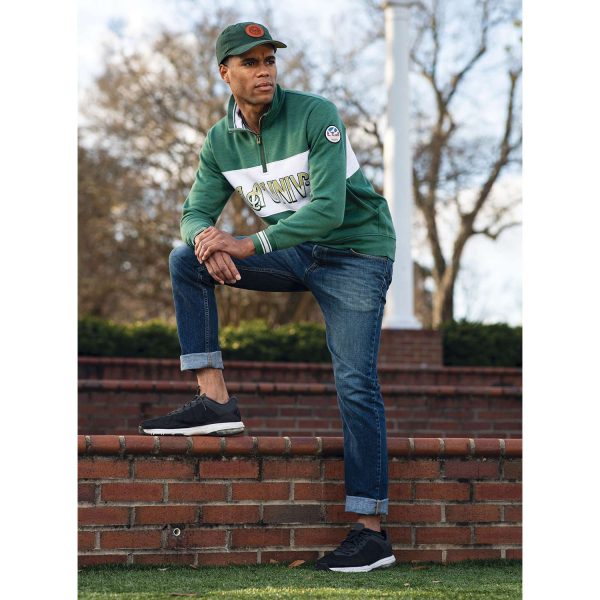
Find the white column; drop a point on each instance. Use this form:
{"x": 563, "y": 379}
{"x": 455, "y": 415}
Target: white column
{"x": 397, "y": 164}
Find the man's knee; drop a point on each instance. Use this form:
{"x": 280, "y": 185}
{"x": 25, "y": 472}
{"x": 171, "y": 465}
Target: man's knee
{"x": 182, "y": 258}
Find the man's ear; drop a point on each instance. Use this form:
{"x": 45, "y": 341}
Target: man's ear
{"x": 224, "y": 72}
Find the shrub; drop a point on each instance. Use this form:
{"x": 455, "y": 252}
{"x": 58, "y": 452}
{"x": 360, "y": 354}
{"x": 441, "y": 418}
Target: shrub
{"x": 476, "y": 344}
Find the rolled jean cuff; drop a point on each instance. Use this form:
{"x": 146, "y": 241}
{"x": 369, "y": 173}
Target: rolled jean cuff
{"x": 199, "y": 360}
{"x": 366, "y": 506}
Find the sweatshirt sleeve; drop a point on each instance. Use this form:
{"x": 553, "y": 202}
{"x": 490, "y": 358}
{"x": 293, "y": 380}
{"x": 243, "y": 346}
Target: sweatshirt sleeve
{"x": 326, "y": 136}
{"x": 207, "y": 198}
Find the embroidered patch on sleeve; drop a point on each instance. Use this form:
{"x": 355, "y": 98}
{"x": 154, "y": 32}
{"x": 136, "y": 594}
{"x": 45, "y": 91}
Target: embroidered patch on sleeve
{"x": 332, "y": 133}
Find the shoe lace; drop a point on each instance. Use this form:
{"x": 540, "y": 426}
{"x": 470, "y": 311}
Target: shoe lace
{"x": 352, "y": 542}
{"x": 197, "y": 399}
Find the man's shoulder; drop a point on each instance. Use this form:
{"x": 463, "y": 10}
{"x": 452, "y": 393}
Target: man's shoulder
{"x": 307, "y": 99}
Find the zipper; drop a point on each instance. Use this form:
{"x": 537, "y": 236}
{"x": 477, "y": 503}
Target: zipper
{"x": 261, "y": 147}
{"x": 262, "y": 152}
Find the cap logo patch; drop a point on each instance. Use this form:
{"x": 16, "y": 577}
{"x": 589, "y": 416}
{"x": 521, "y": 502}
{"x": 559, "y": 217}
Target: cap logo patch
{"x": 332, "y": 133}
{"x": 255, "y": 31}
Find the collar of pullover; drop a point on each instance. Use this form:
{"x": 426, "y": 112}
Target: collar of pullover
{"x": 234, "y": 122}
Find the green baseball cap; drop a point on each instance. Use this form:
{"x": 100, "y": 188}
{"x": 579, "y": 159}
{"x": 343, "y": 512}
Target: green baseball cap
{"x": 241, "y": 37}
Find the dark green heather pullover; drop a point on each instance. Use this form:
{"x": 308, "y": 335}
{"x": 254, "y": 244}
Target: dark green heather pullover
{"x": 299, "y": 175}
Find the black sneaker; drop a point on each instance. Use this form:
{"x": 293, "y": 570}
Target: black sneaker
{"x": 362, "y": 550}
{"x": 200, "y": 416}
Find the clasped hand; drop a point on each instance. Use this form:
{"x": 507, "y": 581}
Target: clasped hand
{"x": 215, "y": 248}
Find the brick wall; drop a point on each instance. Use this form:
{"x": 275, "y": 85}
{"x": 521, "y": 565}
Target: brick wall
{"x": 411, "y": 346}
{"x": 208, "y": 500}
{"x": 309, "y": 409}
{"x": 94, "y": 367}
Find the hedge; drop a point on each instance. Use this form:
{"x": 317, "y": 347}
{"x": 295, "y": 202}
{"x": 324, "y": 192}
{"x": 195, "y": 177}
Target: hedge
{"x": 477, "y": 344}
{"x": 464, "y": 343}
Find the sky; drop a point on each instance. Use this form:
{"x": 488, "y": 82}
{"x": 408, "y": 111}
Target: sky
{"x": 489, "y": 286}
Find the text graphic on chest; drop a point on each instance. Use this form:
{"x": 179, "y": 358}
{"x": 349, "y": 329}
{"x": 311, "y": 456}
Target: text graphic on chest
{"x": 285, "y": 186}
{"x": 285, "y": 190}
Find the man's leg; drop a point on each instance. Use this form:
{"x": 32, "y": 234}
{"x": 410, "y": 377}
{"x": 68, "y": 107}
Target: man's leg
{"x": 198, "y": 330}
{"x": 351, "y": 290}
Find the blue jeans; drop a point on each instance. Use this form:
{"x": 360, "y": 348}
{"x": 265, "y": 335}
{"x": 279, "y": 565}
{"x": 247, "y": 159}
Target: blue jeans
{"x": 350, "y": 289}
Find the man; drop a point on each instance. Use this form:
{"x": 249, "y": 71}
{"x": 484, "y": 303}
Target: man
{"x": 287, "y": 155}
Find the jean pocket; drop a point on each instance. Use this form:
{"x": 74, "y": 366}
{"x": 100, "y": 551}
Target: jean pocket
{"x": 371, "y": 256}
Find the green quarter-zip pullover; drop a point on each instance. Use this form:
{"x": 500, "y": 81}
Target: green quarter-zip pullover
{"x": 299, "y": 175}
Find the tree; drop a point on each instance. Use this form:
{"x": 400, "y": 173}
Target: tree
{"x": 152, "y": 107}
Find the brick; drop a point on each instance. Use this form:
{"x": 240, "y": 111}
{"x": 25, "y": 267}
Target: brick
{"x": 513, "y": 469}
{"x": 498, "y": 535}
{"x": 239, "y": 445}
{"x": 398, "y": 535}
{"x": 442, "y": 491}
{"x": 139, "y": 444}
{"x": 320, "y": 536}
{"x": 103, "y": 468}
{"x": 427, "y": 447}
{"x": 487, "y": 447}
{"x": 399, "y": 491}
{"x": 456, "y": 554}
{"x": 468, "y": 513}
{"x": 456, "y": 447}
{"x": 163, "y": 468}
{"x": 497, "y": 491}
{"x": 91, "y": 560}
{"x": 86, "y": 492}
{"x": 81, "y": 446}
{"x": 270, "y": 445}
{"x": 173, "y": 444}
{"x": 131, "y": 492}
{"x": 418, "y": 469}
{"x": 228, "y": 558}
{"x": 112, "y": 540}
{"x": 513, "y": 513}
{"x": 287, "y": 556}
{"x": 514, "y": 553}
{"x": 205, "y": 445}
{"x": 291, "y": 513}
{"x": 417, "y": 556}
{"x": 336, "y": 513}
{"x": 333, "y": 469}
{"x": 301, "y": 446}
{"x": 238, "y": 513}
{"x": 413, "y": 513}
{"x": 513, "y": 448}
{"x": 105, "y": 444}
{"x": 259, "y": 538}
{"x": 397, "y": 446}
{"x": 164, "y": 559}
{"x": 319, "y": 491}
{"x": 197, "y": 491}
{"x": 443, "y": 535}
{"x": 162, "y": 515}
{"x": 86, "y": 540}
{"x": 291, "y": 469}
{"x": 260, "y": 490}
{"x": 100, "y": 515}
{"x": 472, "y": 469}
{"x": 197, "y": 538}
{"x": 229, "y": 469}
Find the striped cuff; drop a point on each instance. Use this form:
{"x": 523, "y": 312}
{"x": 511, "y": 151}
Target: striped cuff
{"x": 262, "y": 245}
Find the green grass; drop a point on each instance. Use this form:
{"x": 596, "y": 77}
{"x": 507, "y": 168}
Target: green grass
{"x": 485, "y": 580}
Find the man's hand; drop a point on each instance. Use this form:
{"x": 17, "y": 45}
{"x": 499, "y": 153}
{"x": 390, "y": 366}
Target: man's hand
{"x": 222, "y": 268}
{"x": 212, "y": 240}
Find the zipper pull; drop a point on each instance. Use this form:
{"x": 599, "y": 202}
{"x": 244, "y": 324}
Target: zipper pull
{"x": 258, "y": 138}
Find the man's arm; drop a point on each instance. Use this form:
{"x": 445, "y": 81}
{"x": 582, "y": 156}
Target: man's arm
{"x": 207, "y": 198}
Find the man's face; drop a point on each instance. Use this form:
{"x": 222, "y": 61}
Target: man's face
{"x": 252, "y": 75}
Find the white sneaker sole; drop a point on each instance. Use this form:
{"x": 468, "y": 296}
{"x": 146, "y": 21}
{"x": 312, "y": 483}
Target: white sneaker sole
{"x": 218, "y": 428}
{"x": 388, "y": 561}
